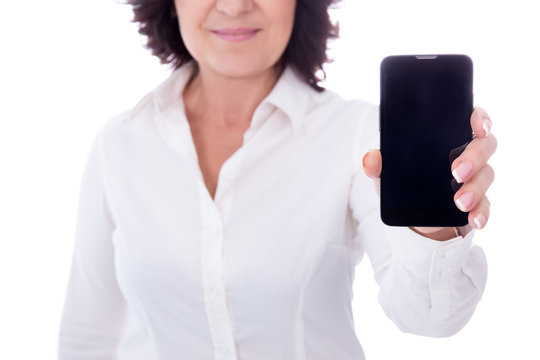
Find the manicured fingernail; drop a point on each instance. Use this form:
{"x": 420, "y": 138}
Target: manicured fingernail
{"x": 464, "y": 202}
{"x": 480, "y": 221}
{"x": 462, "y": 171}
{"x": 487, "y": 126}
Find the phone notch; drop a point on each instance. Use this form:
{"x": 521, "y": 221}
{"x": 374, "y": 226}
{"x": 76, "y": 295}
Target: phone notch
{"x": 426, "y": 57}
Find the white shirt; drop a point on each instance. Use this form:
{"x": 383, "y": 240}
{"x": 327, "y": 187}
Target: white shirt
{"x": 263, "y": 272}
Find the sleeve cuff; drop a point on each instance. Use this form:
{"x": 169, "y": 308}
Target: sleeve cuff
{"x": 425, "y": 258}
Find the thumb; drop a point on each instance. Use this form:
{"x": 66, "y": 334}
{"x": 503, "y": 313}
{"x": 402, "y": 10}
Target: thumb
{"x": 372, "y": 162}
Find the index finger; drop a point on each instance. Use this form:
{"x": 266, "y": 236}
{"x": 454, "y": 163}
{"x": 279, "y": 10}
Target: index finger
{"x": 480, "y": 122}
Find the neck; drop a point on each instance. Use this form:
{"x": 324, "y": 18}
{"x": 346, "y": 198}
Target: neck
{"x": 224, "y": 100}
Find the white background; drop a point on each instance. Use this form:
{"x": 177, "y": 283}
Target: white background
{"x": 67, "y": 66}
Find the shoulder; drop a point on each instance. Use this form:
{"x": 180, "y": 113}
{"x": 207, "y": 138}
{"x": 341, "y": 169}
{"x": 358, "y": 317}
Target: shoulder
{"x": 357, "y": 119}
{"x": 125, "y": 122}
{"x": 329, "y": 101}
{"x": 161, "y": 99}
{"x": 351, "y": 113}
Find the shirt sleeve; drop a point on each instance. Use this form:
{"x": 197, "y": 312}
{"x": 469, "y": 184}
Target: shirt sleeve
{"x": 94, "y": 310}
{"x": 426, "y": 287}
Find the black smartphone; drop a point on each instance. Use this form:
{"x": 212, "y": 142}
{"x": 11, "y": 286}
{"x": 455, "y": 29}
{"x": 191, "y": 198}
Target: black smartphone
{"x": 425, "y": 110}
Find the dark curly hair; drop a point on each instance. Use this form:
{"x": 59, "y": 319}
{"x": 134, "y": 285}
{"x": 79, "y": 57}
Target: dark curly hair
{"x": 306, "y": 49}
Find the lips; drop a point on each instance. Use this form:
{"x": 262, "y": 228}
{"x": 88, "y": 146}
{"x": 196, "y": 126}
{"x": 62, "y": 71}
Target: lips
{"x": 236, "y": 34}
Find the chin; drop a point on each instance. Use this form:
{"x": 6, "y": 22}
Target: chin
{"x": 239, "y": 67}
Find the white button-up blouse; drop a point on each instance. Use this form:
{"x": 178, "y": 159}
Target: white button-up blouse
{"x": 265, "y": 270}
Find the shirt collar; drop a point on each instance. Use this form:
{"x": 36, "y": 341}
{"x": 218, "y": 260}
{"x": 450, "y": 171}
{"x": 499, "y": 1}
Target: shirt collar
{"x": 290, "y": 94}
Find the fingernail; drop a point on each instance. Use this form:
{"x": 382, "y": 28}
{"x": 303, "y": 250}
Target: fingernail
{"x": 480, "y": 221}
{"x": 364, "y": 159}
{"x": 462, "y": 171}
{"x": 464, "y": 202}
{"x": 487, "y": 126}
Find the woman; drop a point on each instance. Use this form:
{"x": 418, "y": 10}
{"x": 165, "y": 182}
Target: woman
{"x": 222, "y": 217}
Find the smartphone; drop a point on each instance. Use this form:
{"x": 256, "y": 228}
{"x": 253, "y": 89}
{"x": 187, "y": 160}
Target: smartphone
{"x": 425, "y": 109}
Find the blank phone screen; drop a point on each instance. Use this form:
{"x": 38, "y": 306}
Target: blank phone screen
{"x": 425, "y": 122}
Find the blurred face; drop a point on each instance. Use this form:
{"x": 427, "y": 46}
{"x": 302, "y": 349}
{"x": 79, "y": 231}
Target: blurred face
{"x": 236, "y": 38}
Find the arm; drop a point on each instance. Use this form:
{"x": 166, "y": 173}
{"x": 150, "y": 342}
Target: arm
{"x": 427, "y": 287}
{"x": 94, "y": 308}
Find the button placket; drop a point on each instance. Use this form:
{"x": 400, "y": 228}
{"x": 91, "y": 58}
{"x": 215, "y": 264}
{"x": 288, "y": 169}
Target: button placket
{"x": 219, "y": 317}
{"x": 225, "y": 188}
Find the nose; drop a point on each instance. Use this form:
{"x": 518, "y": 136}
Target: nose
{"x": 234, "y": 8}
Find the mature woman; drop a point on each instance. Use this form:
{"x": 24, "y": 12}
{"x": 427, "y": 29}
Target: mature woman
{"x": 222, "y": 217}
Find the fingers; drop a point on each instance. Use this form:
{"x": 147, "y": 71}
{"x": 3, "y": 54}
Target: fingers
{"x": 471, "y": 169}
{"x": 372, "y": 163}
{"x": 480, "y": 122}
{"x": 471, "y": 197}
{"x": 474, "y": 157}
{"x": 478, "y": 151}
{"x": 478, "y": 217}
{"x": 468, "y": 196}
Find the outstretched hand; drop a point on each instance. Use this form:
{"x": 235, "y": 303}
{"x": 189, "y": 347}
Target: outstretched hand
{"x": 470, "y": 168}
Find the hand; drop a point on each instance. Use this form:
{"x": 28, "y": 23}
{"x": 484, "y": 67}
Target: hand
{"x": 470, "y": 168}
